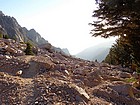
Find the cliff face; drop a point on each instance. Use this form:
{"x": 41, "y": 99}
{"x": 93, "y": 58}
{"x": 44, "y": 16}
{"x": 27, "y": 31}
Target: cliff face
{"x": 15, "y": 31}
{"x": 11, "y": 26}
{"x": 35, "y": 37}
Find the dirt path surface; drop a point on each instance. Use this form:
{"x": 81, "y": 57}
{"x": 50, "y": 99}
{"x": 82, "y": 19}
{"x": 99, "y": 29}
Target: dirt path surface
{"x": 26, "y": 58}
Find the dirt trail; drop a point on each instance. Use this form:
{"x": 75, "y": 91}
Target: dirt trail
{"x": 27, "y": 58}
{"x": 33, "y": 66}
{"x": 27, "y": 92}
{"x": 32, "y": 71}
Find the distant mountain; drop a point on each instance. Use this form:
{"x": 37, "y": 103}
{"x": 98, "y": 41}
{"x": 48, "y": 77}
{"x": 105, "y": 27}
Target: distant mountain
{"x": 34, "y": 36}
{"x": 98, "y": 52}
{"x": 66, "y": 51}
{"x": 9, "y": 26}
{"x": 15, "y": 31}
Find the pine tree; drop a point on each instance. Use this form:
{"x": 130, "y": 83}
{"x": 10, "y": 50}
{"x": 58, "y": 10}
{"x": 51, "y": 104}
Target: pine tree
{"x": 120, "y": 53}
{"x": 28, "y": 49}
{"x": 119, "y": 18}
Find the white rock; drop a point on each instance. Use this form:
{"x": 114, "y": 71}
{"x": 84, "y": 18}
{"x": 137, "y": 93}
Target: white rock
{"x": 7, "y": 57}
{"x": 66, "y": 71}
{"x": 18, "y": 73}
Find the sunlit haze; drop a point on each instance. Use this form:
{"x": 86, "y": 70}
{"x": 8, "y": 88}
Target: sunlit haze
{"x": 64, "y": 23}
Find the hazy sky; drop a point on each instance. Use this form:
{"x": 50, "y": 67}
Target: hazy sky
{"x": 64, "y": 23}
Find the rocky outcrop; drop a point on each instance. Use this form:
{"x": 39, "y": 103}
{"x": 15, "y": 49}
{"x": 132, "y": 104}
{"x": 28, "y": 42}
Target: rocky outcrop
{"x": 21, "y": 34}
{"x": 2, "y": 31}
{"x": 34, "y": 37}
{"x": 12, "y": 28}
{"x": 66, "y": 51}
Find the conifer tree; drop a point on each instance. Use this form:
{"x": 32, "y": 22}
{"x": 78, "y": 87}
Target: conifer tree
{"x": 119, "y": 18}
{"x": 28, "y": 49}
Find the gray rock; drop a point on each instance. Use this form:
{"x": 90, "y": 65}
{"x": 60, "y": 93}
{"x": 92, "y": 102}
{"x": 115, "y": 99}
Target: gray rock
{"x": 35, "y": 37}
{"x": 124, "y": 75}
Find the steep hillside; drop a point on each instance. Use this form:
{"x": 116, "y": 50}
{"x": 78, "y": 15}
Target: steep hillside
{"x": 98, "y": 52}
{"x": 9, "y": 26}
{"x": 15, "y": 31}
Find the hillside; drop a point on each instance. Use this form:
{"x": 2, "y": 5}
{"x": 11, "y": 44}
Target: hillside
{"x": 51, "y": 77}
{"x": 21, "y": 34}
{"x": 56, "y": 79}
{"x": 9, "y": 26}
{"x": 97, "y": 52}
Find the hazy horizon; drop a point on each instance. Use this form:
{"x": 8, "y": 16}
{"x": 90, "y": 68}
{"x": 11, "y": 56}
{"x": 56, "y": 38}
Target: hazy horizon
{"x": 63, "y": 23}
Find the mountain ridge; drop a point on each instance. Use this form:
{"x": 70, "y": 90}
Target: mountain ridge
{"x": 97, "y": 52}
{"x": 10, "y": 26}
{"x": 15, "y": 31}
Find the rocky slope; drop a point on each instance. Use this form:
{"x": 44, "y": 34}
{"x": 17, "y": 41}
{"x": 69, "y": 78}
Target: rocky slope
{"x": 53, "y": 78}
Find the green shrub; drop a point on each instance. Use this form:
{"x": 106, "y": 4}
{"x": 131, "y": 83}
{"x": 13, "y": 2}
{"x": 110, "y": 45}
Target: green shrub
{"x": 131, "y": 80}
{"x": 138, "y": 70}
{"x": 1, "y": 36}
{"x": 28, "y": 49}
{"x": 6, "y": 37}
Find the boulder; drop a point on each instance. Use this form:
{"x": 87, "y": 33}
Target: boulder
{"x": 123, "y": 89}
{"x": 81, "y": 91}
{"x": 60, "y": 67}
{"x": 135, "y": 75}
{"x": 79, "y": 71}
{"x": 124, "y": 75}
{"x": 43, "y": 62}
{"x": 93, "y": 79}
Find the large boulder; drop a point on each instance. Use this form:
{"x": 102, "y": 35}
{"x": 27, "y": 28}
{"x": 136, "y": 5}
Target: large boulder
{"x": 44, "y": 62}
{"x": 81, "y": 92}
{"x": 93, "y": 79}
